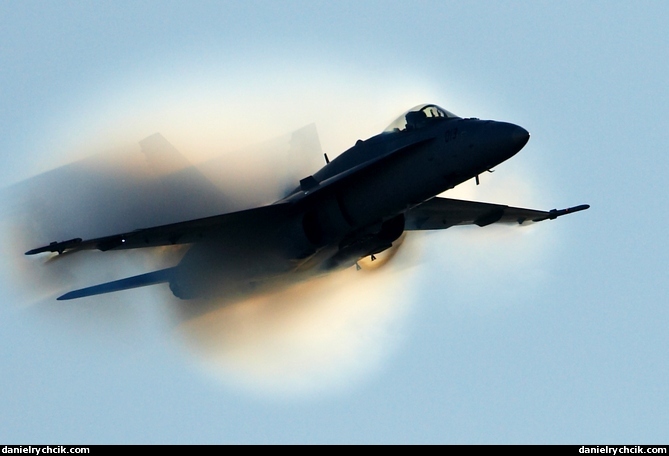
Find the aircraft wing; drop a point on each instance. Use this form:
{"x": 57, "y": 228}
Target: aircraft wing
{"x": 442, "y": 213}
{"x": 175, "y": 233}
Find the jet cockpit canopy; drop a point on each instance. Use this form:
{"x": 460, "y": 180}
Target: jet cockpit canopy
{"x": 420, "y": 116}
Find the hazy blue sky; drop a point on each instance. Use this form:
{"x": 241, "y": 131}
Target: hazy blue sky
{"x": 553, "y": 334}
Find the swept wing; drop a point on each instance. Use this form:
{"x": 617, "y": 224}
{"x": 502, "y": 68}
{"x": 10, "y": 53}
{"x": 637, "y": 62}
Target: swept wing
{"x": 174, "y": 233}
{"x": 442, "y": 213}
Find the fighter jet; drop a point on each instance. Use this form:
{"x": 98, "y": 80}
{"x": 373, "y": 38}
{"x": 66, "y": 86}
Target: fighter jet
{"x": 358, "y": 205}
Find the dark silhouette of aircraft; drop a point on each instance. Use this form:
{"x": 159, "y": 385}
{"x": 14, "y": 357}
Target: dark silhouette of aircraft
{"x": 356, "y": 206}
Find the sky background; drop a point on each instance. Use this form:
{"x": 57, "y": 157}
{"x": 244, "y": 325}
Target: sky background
{"x": 555, "y": 333}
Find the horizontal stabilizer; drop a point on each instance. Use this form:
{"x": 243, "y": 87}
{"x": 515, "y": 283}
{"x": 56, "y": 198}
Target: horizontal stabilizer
{"x": 142, "y": 280}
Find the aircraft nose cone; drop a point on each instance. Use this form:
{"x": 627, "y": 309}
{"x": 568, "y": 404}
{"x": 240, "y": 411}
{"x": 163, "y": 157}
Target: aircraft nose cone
{"x": 519, "y": 137}
{"x": 506, "y": 140}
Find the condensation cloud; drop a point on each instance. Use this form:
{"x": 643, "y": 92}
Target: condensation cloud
{"x": 228, "y": 149}
{"x": 322, "y": 335}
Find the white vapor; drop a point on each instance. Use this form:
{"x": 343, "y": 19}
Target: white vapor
{"x": 316, "y": 336}
{"x": 322, "y": 335}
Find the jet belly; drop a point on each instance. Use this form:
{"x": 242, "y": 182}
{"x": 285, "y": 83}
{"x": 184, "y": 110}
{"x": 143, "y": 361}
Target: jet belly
{"x": 235, "y": 260}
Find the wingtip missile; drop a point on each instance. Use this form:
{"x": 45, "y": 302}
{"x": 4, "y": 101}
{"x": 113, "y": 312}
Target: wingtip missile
{"x": 59, "y": 247}
{"x": 555, "y": 213}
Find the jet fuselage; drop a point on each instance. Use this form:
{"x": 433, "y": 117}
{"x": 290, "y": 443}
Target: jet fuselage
{"x": 351, "y": 208}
